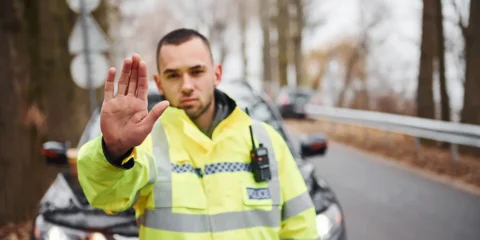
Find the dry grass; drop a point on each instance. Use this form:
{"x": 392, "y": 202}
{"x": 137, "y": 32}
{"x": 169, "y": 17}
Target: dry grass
{"x": 400, "y": 148}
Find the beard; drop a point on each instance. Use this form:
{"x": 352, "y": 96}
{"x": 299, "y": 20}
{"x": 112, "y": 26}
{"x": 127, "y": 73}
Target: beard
{"x": 195, "y": 112}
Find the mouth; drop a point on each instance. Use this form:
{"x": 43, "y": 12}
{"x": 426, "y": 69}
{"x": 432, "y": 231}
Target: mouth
{"x": 188, "y": 101}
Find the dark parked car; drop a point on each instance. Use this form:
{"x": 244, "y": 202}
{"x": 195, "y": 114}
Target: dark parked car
{"x": 65, "y": 213}
{"x": 291, "y": 101}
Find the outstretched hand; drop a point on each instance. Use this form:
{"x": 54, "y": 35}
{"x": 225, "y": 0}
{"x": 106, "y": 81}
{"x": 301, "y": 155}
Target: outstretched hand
{"x": 124, "y": 120}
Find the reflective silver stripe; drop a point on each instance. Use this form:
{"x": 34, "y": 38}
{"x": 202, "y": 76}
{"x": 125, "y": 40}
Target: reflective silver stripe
{"x": 262, "y": 136}
{"x": 319, "y": 238}
{"x": 152, "y": 174}
{"x": 296, "y": 205}
{"x": 164, "y": 219}
{"x": 163, "y": 186}
{"x": 161, "y": 152}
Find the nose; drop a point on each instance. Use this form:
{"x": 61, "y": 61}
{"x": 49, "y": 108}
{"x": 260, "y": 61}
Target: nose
{"x": 187, "y": 86}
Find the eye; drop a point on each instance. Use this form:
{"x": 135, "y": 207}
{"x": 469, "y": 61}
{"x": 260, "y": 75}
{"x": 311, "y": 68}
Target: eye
{"x": 196, "y": 72}
{"x": 172, "y": 75}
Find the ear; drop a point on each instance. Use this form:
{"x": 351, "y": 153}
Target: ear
{"x": 218, "y": 74}
{"x": 157, "y": 81}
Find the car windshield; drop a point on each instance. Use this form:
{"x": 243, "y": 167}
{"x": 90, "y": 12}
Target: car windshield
{"x": 92, "y": 130}
{"x": 302, "y": 98}
{"x": 257, "y": 107}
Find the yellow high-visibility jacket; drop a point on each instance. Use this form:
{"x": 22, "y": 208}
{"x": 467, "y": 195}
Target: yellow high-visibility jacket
{"x": 184, "y": 185}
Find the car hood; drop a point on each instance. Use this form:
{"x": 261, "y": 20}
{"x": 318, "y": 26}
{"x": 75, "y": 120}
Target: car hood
{"x": 64, "y": 206}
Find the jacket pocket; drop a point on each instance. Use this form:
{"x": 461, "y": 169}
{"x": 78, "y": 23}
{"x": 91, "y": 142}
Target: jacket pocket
{"x": 188, "y": 193}
{"x": 180, "y": 194}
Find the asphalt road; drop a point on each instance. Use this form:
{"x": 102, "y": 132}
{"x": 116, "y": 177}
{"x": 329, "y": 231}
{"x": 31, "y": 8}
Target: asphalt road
{"x": 384, "y": 201}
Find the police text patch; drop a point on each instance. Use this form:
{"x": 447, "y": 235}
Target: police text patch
{"x": 258, "y": 193}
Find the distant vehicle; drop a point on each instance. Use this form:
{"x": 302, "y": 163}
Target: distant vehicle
{"x": 65, "y": 214}
{"x": 291, "y": 101}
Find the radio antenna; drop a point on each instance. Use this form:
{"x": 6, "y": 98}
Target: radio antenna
{"x": 251, "y": 131}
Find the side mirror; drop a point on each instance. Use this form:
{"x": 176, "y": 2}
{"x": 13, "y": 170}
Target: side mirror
{"x": 313, "y": 144}
{"x": 55, "y": 153}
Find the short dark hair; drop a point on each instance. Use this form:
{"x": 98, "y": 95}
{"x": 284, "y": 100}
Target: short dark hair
{"x": 179, "y": 36}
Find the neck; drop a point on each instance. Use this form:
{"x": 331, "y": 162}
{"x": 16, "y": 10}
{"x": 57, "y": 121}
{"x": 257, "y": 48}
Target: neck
{"x": 205, "y": 120}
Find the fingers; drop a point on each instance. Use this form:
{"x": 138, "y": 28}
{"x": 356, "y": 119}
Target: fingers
{"x": 154, "y": 114}
{"x": 124, "y": 77}
{"x": 142, "y": 85}
{"x": 109, "y": 84}
{"x": 132, "y": 83}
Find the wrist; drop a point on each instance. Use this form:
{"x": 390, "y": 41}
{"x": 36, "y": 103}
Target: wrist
{"x": 115, "y": 151}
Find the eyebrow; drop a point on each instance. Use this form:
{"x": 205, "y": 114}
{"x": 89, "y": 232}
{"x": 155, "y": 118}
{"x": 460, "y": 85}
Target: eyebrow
{"x": 170, "y": 70}
{"x": 197, "y": 67}
{"x": 167, "y": 71}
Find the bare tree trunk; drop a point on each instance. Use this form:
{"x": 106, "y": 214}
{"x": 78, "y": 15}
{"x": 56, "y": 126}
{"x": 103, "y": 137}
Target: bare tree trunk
{"x": 243, "y": 31}
{"x": 43, "y": 103}
{"x": 471, "y": 102}
{"x": 223, "y": 53}
{"x": 425, "y": 102}
{"x": 264, "y": 14}
{"x": 18, "y": 138}
{"x": 444, "y": 98}
{"x": 218, "y": 29}
{"x": 102, "y": 15}
{"x": 349, "y": 70}
{"x": 321, "y": 59}
{"x": 317, "y": 79}
{"x": 297, "y": 43}
{"x": 283, "y": 35}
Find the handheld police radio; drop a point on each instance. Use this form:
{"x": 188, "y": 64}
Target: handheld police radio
{"x": 259, "y": 160}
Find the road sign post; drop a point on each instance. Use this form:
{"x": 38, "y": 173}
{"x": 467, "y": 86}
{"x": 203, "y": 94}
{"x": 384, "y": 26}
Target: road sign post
{"x": 88, "y": 42}
{"x": 91, "y": 91}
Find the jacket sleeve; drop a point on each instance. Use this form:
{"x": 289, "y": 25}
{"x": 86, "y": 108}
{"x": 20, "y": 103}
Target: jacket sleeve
{"x": 115, "y": 187}
{"x": 298, "y": 211}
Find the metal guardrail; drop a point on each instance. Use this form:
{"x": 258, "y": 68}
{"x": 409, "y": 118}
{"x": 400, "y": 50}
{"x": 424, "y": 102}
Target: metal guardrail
{"x": 454, "y": 133}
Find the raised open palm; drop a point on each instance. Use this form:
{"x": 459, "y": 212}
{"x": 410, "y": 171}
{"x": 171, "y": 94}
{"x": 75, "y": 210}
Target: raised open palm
{"x": 124, "y": 120}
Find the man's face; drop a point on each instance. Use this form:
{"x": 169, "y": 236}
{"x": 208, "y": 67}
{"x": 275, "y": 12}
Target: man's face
{"x": 187, "y": 76}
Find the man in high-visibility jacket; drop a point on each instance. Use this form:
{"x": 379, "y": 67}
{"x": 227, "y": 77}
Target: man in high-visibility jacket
{"x": 185, "y": 166}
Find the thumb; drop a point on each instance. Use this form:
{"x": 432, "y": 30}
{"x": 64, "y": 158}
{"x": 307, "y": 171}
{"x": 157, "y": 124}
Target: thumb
{"x": 155, "y": 113}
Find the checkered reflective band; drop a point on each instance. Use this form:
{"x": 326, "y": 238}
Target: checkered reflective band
{"x": 258, "y": 193}
{"x": 184, "y": 168}
{"x": 212, "y": 168}
{"x": 227, "y": 167}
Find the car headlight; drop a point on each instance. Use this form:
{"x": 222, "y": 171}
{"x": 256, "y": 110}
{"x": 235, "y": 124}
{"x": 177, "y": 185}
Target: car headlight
{"x": 55, "y": 233}
{"x": 97, "y": 236}
{"x": 119, "y": 237}
{"x": 329, "y": 221}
